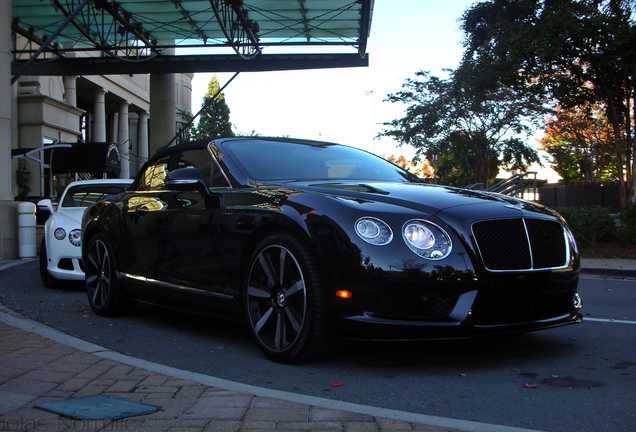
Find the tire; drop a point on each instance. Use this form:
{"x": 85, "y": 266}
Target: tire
{"x": 284, "y": 301}
{"x": 48, "y": 280}
{"x": 102, "y": 284}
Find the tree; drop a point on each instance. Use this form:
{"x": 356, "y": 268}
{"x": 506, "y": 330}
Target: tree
{"x": 580, "y": 143}
{"x": 420, "y": 169}
{"x": 576, "y": 51}
{"x": 214, "y": 121}
{"x": 475, "y": 134}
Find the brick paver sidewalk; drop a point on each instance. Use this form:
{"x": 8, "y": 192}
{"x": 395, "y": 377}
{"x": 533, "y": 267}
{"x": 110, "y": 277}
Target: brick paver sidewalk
{"x": 34, "y": 369}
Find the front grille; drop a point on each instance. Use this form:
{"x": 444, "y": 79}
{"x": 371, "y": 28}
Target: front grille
{"x": 413, "y": 303}
{"x": 521, "y": 244}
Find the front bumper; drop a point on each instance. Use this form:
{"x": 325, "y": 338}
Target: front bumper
{"x": 501, "y": 304}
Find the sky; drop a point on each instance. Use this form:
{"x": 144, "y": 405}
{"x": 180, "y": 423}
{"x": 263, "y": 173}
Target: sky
{"x": 348, "y": 105}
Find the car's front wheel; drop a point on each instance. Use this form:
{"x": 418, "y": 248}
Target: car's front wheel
{"x": 284, "y": 301}
{"x": 102, "y": 284}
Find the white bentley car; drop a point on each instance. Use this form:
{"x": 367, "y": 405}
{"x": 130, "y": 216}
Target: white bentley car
{"x": 60, "y": 251}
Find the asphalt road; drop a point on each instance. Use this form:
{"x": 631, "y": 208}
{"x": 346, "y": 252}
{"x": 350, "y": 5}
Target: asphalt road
{"x": 584, "y": 376}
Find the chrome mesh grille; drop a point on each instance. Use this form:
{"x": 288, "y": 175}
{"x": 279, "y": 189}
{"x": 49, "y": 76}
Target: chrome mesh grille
{"x": 521, "y": 244}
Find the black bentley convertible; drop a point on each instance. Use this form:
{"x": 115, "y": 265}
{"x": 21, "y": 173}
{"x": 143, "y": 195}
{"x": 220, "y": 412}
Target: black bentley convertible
{"x": 310, "y": 240}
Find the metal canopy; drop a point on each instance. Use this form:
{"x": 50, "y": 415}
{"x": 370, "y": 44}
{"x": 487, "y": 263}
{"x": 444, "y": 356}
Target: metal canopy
{"x": 70, "y": 36}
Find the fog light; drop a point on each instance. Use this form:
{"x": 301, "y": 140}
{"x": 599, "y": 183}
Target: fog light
{"x": 577, "y": 301}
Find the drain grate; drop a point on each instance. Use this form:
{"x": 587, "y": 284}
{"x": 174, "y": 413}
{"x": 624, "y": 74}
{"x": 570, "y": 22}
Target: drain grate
{"x": 98, "y": 408}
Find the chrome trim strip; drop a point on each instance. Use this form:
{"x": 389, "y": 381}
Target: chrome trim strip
{"x": 172, "y": 286}
{"x": 525, "y": 228}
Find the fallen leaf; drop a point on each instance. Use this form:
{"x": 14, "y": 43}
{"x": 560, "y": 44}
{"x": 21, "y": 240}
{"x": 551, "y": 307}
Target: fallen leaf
{"x": 337, "y": 384}
{"x": 462, "y": 374}
{"x": 530, "y": 386}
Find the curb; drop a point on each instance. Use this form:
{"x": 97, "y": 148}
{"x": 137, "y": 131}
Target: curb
{"x": 16, "y": 320}
{"x": 609, "y": 272}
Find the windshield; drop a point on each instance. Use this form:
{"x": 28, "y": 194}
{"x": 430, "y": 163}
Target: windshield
{"x": 87, "y": 194}
{"x": 282, "y": 161}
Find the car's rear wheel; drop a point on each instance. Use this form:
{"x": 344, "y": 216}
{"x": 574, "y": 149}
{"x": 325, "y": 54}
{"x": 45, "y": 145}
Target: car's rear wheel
{"x": 48, "y": 280}
{"x": 284, "y": 302}
{"x": 102, "y": 284}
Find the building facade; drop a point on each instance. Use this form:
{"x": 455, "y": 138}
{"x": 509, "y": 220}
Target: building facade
{"x": 38, "y": 111}
{"x": 93, "y": 109}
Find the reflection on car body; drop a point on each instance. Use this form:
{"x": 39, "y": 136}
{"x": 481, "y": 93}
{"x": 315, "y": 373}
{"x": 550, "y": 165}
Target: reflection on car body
{"x": 308, "y": 240}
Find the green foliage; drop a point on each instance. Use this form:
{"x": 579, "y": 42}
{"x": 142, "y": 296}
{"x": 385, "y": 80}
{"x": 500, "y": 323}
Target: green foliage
{"x": 473, "y": 135}
{"x": 23, "y": 189}
{"x": 214, "y": 121}
{"x": 576, "y": 51}
{"x": 628, "y": 216}
{"x": 185, "y": 133}
{"x": 590, "y": 224}
{"x": 581, "y": 137}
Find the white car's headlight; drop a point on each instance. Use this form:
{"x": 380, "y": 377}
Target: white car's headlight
{"x": 59, "y": 233}
{"x": 75, "y": 237}
{"x": 374, "y": 231}
{"x": 427, "y": 239}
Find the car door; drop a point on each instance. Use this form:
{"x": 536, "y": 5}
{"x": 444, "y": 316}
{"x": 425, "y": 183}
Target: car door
{"x": 176, "y": 231}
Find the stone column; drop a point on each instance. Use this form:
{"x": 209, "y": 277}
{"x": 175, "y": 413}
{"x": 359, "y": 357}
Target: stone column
{"x": 123, "y": 140}
{"x": 8, "y": 207}
{"x": 70, "y": 90}
{"x": 142, "y": 138}
{"x": 99, "y": 116}
{"x": 163, "y": 103}
{"x": 133, "y": 134}
{"x": 5, "y": 102}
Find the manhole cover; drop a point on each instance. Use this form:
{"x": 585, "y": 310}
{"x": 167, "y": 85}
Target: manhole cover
{"x": 97, "y": 408}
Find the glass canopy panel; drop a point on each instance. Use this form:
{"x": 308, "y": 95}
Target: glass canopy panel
{"x": 110, "y": 26}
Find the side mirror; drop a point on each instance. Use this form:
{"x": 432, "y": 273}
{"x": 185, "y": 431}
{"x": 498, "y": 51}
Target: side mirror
{"x": 186, "y": 179}
{"x": 45, "y": 205}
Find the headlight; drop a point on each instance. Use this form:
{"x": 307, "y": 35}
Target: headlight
{"x": 59, "y": 233}
{"x": 427, "y": 239}
{"x": 374, "y": 231}
{"x": 75, "y": 237}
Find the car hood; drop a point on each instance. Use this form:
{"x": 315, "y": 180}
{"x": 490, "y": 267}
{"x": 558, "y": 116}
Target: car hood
{"x": 441, "y": 201}
{"x": 73, "y": 213}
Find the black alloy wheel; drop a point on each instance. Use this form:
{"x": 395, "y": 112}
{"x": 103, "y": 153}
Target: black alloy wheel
{"x": 48, "y": 280}
{"x": 284, "y": 301}
{"x": 102, "y": 285}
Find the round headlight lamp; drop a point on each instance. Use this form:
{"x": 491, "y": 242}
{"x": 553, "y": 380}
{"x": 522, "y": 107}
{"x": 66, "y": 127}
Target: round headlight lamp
{"x": 59, "y": 233}
{"x": 75, "y": 237}
{"x": 373, "y": 231}
{"x": 427, "y": 239}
